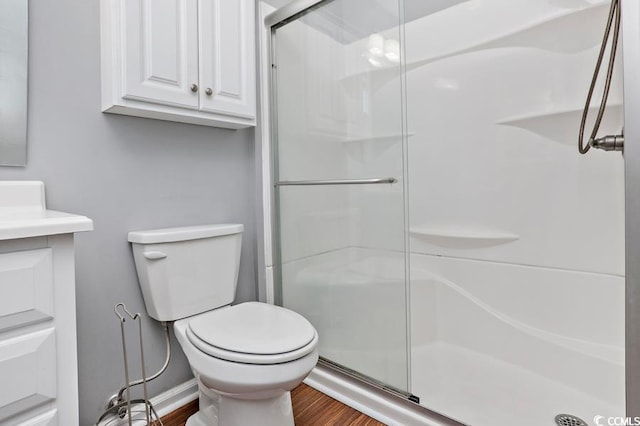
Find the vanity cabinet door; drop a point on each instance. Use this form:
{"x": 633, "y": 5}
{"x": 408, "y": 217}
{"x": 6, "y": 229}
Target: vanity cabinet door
{"x": 161, "y": 52}
{"x": 227, "y": 57}
{"x": 29, "y": 373}
{"x": 26, "y": 288}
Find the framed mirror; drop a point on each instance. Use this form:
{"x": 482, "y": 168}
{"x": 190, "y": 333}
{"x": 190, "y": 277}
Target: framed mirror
{"x": 13, "y": 82}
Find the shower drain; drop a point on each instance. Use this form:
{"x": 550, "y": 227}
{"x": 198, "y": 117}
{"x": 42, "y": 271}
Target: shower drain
{"x": 569, "y": 420}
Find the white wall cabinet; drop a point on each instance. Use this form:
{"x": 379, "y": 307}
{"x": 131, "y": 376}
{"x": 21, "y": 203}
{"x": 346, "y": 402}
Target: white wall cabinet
{"x": 190, "y": 61}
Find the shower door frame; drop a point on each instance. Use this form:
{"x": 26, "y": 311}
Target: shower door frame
{"x": 631, "y": 53}
{"x": 272, "y": 22}
{"x": 280, "y": 17}
{"x": 630, "y": 10}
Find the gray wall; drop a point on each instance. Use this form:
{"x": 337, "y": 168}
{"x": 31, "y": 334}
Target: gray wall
{"x": 126, "y": 174}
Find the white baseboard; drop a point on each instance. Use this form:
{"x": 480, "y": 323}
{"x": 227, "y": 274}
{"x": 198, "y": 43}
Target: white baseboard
{"x": 174, "y": 398}
{"x": 168, "y": 401}
{"x": 376, "y": 403}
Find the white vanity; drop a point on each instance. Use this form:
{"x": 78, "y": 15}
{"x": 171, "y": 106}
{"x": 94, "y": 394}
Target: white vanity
{"x": 38, "y": 357}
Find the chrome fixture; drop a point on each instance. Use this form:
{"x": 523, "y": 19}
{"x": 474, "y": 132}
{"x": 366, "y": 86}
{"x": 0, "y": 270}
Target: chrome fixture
{"x": 337, "y": 182}
{"x": 209, "y": 91}
{"x": 120, "y": 405}
{"x": 610, "y": 142}
{"x": 569, "y": 420}
{"x": 194, "y": 88}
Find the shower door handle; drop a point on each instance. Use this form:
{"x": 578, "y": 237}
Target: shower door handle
{"x": 371, "y": 181}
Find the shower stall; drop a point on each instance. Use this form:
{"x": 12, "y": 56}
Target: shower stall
{"x": 431, "y": 214}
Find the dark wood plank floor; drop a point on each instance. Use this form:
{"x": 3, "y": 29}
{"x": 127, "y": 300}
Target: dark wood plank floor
{"x": 313, "y": 408}
{"x": 310, "y": 408}
{"x": 179, "y": 417}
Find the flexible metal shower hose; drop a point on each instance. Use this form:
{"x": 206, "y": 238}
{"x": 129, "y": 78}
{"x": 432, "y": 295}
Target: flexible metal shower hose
{"x": 614, "y": 19}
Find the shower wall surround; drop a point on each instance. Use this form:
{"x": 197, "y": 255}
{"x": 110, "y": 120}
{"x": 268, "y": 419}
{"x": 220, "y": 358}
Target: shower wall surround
{"x": 517, "y": 241}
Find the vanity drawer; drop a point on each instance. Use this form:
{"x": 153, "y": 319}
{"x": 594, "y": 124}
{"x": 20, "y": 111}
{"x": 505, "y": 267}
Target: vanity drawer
{"x": 28, "y": 370}
{"x": 26, "y": 288}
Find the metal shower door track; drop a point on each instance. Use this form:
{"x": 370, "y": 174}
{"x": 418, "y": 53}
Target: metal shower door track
{"x": 290, "y": 10}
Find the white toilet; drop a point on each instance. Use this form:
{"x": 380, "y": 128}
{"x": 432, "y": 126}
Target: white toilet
{"x": 246, "y": 357}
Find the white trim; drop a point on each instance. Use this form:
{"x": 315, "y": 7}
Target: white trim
{"x": 164, "y": 403}
{"x": 176, "y": 397}
{"x": 270, "y": 293}
{"x": 264, "y": 33}
{"x": 376, "y": 403}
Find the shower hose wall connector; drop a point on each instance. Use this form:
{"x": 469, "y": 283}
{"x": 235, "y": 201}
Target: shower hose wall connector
{"x": 608, "y": 143}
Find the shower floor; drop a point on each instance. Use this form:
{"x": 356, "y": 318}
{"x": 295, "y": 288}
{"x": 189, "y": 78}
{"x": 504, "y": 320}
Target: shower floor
{"x": 480, "y": 390}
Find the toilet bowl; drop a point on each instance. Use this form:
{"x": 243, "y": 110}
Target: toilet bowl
{"x": 246, "y": 357}
{"x": 247, "y": 368}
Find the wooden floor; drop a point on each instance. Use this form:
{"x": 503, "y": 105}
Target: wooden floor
{"x": 179, "y": 417}
{"x": 310, "y": 408}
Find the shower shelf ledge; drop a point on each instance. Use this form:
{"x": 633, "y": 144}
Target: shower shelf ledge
{"x": 389, "y": 137}
{"x": 542, "y": 115}
{"x": 561, "y": 125}
{"x": 463, "y": 239}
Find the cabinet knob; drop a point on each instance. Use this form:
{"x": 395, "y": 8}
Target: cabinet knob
{"x": 209, "y": 91}
{"x": 194, "y": 88}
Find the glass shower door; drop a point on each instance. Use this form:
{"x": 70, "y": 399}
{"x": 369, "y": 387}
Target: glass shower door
{"x": 339, "y": 178}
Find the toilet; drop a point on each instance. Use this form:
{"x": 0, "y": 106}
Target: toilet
{"x": 246, "y": 357}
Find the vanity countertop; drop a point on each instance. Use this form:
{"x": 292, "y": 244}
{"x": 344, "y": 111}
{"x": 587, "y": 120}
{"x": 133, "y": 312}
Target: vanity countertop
{"x": 23, "y": 213}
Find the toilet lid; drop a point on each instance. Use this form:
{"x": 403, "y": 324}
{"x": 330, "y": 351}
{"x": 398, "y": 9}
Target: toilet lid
{"x": 253, "y": 328}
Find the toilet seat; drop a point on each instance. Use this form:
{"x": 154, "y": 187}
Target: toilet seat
{"x": 252, "y": 333}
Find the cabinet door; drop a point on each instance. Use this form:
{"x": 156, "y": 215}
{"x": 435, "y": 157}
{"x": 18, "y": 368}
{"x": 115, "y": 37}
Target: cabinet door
{"x": 28, "y": 371}
{"x": 161, "y": 56}
{"x": 227, "y": 63}
{"x": 26, "y": 285}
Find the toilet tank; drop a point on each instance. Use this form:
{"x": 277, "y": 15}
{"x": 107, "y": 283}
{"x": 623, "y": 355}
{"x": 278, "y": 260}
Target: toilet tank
{"x": 188, "y": 270}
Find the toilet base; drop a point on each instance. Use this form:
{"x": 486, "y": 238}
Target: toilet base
{"x": 222, "y": 410}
